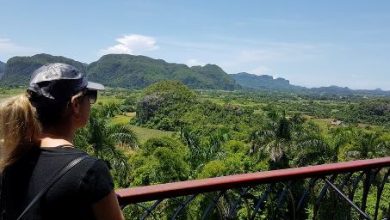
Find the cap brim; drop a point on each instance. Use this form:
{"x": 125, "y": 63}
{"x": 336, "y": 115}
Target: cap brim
{"x": 94, "y": 86}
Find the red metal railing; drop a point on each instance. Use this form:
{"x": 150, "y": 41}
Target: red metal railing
{"x": 221, "y": 184}
{"x": 146, "y": 193}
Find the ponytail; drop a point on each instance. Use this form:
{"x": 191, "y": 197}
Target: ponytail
{"x": 19, "y": 129}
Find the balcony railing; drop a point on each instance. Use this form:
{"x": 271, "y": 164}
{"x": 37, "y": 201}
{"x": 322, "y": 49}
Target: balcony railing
{"x": 347, "y": 190}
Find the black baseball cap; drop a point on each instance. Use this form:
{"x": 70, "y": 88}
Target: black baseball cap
{"x": 59, "y": 82}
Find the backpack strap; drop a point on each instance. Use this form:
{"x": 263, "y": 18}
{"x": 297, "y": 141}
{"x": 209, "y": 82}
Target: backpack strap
{"x": 53, "y": 180}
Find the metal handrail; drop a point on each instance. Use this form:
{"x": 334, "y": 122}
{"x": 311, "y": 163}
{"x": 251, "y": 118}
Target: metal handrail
{"x": 168, "y": 190}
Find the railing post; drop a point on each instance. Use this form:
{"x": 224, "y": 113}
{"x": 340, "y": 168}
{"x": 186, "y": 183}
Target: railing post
{"x": 260, "y": 202}
{"x": 379, "y": 194}
{"x": 321, "y": 195}
{"x": 213, "y": 203}
{"x": 342, "y": 195}
{"x": 366, "y": 188}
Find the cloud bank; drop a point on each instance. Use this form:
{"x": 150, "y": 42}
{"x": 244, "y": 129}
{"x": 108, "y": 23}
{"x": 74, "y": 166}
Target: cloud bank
{"x": 134, "y": 44}
{"x": 9, "y": 49}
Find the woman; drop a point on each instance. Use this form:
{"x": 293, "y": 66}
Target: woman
{"x": 36, "y": 134}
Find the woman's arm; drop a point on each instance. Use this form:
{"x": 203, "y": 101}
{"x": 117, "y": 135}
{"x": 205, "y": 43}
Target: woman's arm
{"x": 108, "y": 208}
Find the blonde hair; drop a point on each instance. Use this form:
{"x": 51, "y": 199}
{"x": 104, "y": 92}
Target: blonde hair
{"x": 19, "y": 129}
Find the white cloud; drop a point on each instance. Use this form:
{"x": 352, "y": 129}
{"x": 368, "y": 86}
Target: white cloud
{"x": 9, "y": 49}
{"x": 132, "y": 44}
{"x": 6, "y": 45}
{"x": 194, "y": 62}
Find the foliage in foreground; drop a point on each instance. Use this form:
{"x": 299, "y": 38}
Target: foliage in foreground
{"x": 216, "y": 136}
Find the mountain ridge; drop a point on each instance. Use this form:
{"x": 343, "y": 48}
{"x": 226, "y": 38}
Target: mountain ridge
{"x": 261, "y": 82}
{"x": 129, "y": 71}
{"x": 123, "y": 70}
{"x": 137, "y": 72}
{"x": 19, "y": 69}
{"x": 266, "y": 82}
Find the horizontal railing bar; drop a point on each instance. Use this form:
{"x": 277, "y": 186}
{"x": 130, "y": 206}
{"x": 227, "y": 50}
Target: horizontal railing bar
{"x": 168, "y": 190}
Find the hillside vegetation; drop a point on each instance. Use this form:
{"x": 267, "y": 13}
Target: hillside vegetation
{"x": 120, "y": 70}
{"x": 168, "y": 132}
{"x": 218, "y": 133}
{"x": 138, "y": 72}
{"x": 19, "y": 69}
{"x": 126, "y": 71}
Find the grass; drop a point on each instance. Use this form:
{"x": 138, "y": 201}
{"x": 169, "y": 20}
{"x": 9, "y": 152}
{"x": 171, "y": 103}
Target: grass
{"x": 323, "y": 123}
{"x": 123, "y": 119}
{"x": 8, "y": 92}
{"x": 142, "y": 133}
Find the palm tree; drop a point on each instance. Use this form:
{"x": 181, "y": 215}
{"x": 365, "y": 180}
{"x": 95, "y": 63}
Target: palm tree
{"x": 123, "y": 136}
{"x": 102, "y": 140}
{"x": 273, "y": 141}
{"x": 367, "y": 144}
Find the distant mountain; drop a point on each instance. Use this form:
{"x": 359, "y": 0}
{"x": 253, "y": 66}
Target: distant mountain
{"x": 333, "y": 90}
{"x": 128, "y": 71}
{"x": 2, "y": 69}
{"x": 137, "y": 72}
{"x": 345, "y": 91}
{"x": 18, "y": 69}
{"x": 263, "y": 82}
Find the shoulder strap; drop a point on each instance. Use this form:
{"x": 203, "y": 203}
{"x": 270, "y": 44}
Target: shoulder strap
{"x": 61, "y": 173}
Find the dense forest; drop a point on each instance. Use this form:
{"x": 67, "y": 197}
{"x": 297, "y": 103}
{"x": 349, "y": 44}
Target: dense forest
{"x": 168, "y": 132}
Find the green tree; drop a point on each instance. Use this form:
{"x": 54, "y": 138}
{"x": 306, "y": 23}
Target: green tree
{"x": 101, "y": 140}
{"x": 160, "y": 160}
{"x": 163, "y": 104}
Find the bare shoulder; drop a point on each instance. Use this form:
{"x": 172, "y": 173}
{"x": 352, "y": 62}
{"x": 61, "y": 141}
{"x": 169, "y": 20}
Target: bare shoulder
{"x": 108, "y": 208}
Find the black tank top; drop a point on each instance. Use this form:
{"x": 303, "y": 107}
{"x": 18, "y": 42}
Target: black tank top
{"x": 71, "y": 197}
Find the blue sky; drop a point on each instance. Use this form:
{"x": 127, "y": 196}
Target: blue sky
{"x": 310, "y": 43}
